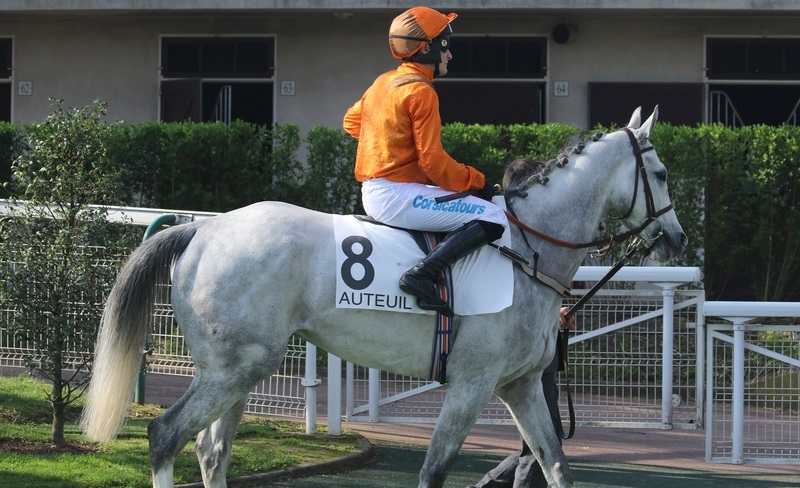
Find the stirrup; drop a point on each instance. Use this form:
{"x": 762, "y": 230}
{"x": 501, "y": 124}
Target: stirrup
{"x": 442, "y": 307}
{"x": 426, "y": 297}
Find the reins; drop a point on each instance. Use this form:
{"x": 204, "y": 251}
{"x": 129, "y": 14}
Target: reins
{"x": 565, "y": 332}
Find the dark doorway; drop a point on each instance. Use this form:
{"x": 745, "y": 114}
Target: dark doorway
{"x": 753, "y": 80}
{"x": 217, "y": 79}
{"x": 251, "y": 102}
{"x": 494, "y": 80}
{"x": 6, "y": 64}
{"x": 5, "y": 102}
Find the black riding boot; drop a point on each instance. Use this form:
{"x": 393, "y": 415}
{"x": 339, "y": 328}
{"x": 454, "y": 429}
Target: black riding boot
{"x": 419, "y": 280}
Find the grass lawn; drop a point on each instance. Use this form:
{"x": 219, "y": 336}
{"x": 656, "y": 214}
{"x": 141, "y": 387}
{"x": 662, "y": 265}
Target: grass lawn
{"x": 28, "y": 460}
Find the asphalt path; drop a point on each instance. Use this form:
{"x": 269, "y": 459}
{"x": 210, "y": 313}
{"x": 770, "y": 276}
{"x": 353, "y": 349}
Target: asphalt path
{"x": 397, "y": 465}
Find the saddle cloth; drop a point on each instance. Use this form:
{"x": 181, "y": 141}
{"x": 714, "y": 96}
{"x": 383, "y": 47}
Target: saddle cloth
{"x": 370, "y": 259}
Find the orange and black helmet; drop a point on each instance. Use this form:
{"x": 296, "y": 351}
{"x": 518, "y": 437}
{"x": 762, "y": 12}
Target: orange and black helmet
{"x": 414, "y": 28}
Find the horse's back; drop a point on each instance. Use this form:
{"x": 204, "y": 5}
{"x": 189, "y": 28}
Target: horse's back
{"x": 267, "y": 237}
{"x": 265, "y": 227}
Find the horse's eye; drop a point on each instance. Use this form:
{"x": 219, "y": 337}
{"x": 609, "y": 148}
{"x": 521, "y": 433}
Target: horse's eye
{"x": 661, "y": 175}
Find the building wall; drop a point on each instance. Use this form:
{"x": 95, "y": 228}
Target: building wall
{"x": 115, "y": 56}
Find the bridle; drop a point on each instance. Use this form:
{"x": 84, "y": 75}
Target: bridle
{"x": 652, "y": 213}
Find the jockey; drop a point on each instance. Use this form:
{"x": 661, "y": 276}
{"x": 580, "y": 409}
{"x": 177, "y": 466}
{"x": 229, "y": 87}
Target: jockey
{"x": 398, "y": 127}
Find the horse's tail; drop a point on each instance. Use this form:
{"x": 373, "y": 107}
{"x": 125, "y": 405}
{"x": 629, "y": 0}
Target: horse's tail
{"x": 123, "y": 331}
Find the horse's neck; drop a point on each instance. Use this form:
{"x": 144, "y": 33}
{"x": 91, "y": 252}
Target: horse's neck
{"x": 570, "y": 208}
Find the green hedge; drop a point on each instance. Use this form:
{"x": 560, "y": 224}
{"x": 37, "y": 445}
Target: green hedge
{"x": 735, "y": 190}
{"x": 208, "y": 167}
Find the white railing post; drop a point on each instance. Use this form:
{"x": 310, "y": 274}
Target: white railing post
{"x": 668, "y": 280}
{"x": 374, "y": 394}
{"x": 667, "y": 352}
{"x": 311, "y": 383}
{"x": 349, "y": 394}
{"x": 334, "y": 395}
{"x": 711, "y": 358}
{"x": 700, "y": 372}
{"x": 737, "y": 429}
{"x": 721, "y": 309}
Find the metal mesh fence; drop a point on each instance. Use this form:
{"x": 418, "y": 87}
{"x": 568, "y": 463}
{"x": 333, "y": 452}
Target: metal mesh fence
{"x": 16, "y": 351}
{"x": 280, "y": 395}
{"x": 13, "y": 351}
{"x": 616, "y": 359}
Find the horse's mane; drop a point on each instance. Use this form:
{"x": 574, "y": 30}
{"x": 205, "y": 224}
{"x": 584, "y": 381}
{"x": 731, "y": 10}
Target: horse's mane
{"x": 523, "y": 173}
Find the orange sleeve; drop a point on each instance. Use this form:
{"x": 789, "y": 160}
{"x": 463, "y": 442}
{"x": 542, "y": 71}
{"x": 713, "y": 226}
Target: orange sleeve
{"x": 440, "y": 167}
{"x": 352, "y": 120}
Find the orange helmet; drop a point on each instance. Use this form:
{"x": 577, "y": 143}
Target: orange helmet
{"x": 415, "y": 27}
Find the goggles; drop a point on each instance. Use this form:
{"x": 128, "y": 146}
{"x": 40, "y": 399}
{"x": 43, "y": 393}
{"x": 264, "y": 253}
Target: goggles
{"x": 443, "y": 39}
{"x": 443, "y": 42}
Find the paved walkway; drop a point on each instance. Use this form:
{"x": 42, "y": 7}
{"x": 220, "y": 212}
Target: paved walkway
{"x": 640, "y": 447}
{"x": 645, "y": 447}
{"x": 629, "y": 454}
{"x": 397, "y": 466}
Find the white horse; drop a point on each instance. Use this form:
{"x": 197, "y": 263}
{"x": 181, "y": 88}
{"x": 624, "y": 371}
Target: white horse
{"x": 245, "y": 281}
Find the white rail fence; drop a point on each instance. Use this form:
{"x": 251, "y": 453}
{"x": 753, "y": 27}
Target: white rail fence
{"x": 642, "y": 356}
{"x": 753, "y": 388}
{"x": 633, "y": 361}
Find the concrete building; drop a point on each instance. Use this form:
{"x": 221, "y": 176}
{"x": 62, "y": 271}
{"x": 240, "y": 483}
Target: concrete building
{"x": 306, "y": 61}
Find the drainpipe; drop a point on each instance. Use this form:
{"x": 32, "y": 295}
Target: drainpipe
{"x": 156, "y": 224}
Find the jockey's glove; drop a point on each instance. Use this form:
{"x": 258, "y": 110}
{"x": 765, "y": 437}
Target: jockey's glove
{"x": 487, "y": 192}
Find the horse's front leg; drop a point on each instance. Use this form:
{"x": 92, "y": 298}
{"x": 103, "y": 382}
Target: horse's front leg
{"x": 462, "y": 405}
{"x": 526, "y": 401}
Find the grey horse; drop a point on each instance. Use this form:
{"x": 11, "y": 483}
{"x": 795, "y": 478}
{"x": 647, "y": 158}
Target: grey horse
{"x": 245, "y": 281}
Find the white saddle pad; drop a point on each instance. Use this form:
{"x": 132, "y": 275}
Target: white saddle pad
{"x": 370, "y": 259}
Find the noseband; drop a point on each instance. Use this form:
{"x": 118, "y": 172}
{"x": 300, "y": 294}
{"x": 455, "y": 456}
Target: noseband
{"x": 652, "y": 213}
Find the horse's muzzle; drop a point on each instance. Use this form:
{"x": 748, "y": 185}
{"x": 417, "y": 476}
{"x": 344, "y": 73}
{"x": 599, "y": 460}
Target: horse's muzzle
{"x": 669, "y": 245}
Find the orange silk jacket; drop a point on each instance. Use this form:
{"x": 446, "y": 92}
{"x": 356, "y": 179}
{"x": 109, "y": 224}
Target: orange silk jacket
{"x": 399, "y": 131}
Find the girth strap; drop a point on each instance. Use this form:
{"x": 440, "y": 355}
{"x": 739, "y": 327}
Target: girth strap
{"x": 442, "y": 339}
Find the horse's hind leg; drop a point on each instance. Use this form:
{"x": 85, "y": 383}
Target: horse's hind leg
{"x": 213, "y": 445}
{"x": 206, "y": 400}
{"x": 525, "y": 398}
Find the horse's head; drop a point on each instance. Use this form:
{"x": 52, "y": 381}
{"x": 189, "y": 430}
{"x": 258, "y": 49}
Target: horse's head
{"x": 631, "y": 188}
{"x": 641, "y": 198}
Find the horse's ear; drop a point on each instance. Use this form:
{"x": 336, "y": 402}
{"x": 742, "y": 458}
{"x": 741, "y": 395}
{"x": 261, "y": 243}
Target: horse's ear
{"x": 647, "y": 127}
{"x": 636, "y": 119}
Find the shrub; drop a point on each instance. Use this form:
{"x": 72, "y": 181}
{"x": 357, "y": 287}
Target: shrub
{"x": 55, "y": 247}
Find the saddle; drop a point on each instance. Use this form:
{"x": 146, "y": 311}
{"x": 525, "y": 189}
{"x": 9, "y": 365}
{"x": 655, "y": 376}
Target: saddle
{"x": 420, "y": 237}
{"x": 372, "y": 256}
